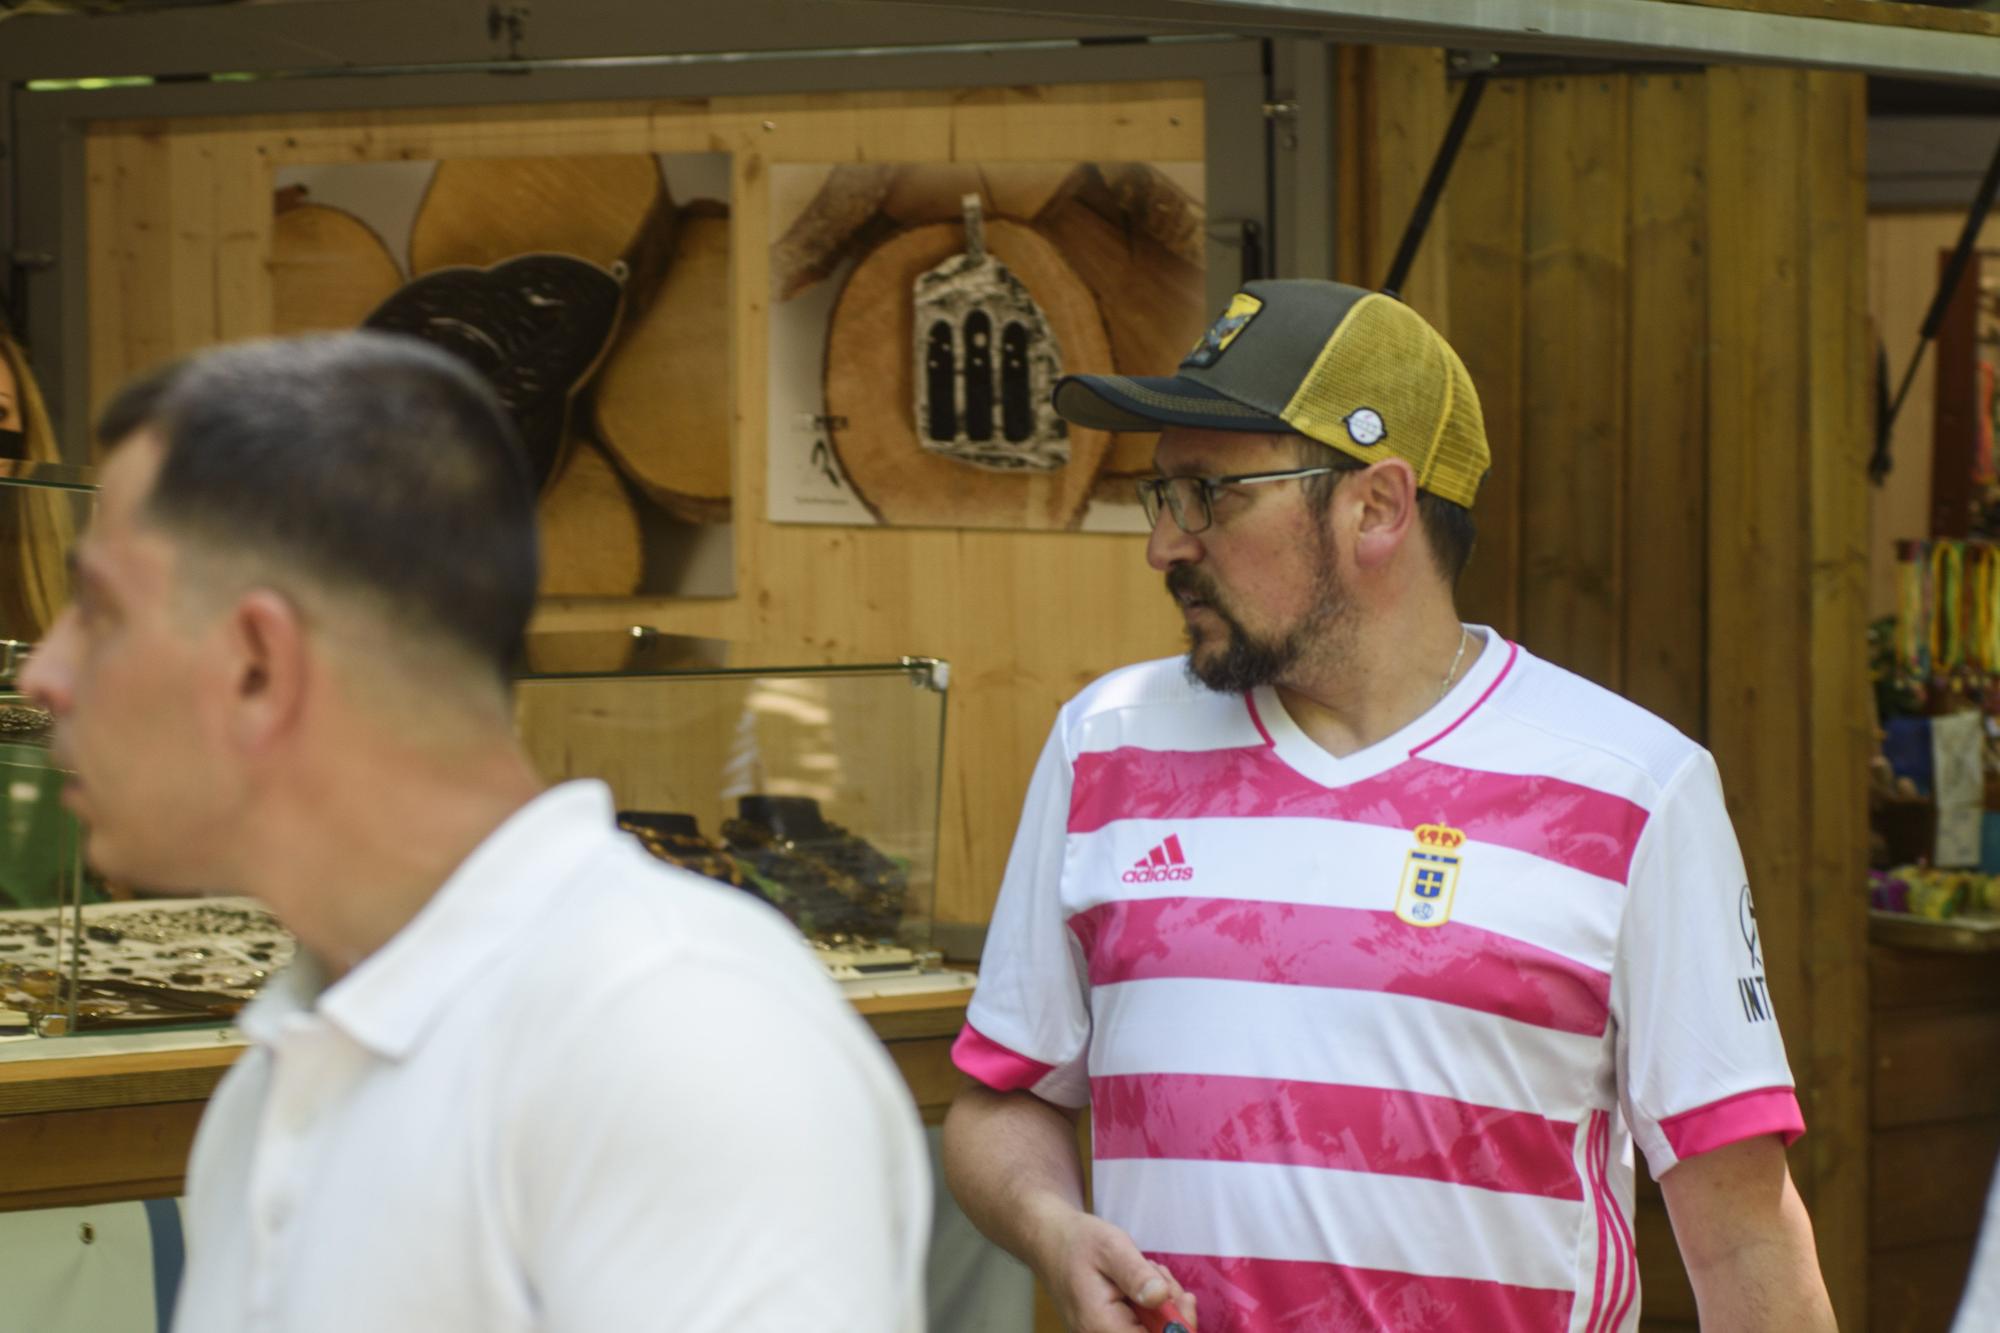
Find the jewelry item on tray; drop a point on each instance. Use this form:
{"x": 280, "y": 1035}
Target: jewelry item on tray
{"x": 22, "y": 722}
{"x": 828, "y": 881}
{"x": 170, "y": 963}
{"x": 676, "y": 839}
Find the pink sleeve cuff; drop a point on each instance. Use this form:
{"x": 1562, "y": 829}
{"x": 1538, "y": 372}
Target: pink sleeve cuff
{"x": 1000, "y": 1069}
{"x": 1733, "y": 1119}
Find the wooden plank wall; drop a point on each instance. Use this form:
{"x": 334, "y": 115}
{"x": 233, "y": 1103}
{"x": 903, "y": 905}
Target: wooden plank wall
{"x": 1577, "y": 226}
{"x": 1831, "y": 452}
{"x": 1936, "y": 1117}
{"x": 1393, "y": 112}
{"x": 1663, "y": 312}
{"x": 179, "y": 227}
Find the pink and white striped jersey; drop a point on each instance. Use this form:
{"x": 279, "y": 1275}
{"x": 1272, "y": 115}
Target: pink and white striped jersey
{"x": 1368, "y": 1041}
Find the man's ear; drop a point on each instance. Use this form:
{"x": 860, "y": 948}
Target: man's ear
{"x": 269, "y": 668}
{"x": 1385, "y": 499}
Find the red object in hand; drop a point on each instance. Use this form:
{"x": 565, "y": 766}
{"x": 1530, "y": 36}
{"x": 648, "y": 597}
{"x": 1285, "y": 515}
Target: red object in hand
{"x": 1164, "y": 1319}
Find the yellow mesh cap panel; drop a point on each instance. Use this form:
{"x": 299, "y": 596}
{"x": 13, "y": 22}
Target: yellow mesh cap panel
{"x": 1462, "y": 457}
{"x": 1387, "y": 385}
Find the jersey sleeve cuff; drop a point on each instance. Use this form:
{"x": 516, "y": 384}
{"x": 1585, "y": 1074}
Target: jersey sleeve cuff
{"x": 978, "y": 1056}
{"x": 1733, "y": 1119}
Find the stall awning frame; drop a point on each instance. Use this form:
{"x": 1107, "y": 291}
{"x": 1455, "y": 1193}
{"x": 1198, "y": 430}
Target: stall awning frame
{"x": 1874, "y": 38}
{"x": 1870, "y": 36}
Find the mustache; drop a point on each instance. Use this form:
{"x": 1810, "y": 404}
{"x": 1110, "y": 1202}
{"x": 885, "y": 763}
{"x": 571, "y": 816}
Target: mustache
{"x": 1187, "y": 581}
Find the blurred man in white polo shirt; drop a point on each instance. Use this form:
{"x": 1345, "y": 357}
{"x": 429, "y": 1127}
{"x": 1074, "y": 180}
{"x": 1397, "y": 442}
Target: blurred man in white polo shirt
{"x": 523, "y": 1077}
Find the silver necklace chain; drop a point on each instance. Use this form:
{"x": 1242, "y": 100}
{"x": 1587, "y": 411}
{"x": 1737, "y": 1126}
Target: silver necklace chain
{"x": 1444, "y": 686}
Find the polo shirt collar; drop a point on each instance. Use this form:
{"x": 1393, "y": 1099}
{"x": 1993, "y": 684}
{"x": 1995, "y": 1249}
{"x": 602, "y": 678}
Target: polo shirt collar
{"x": 291, "y": 991}
{"x": 396, "y": 994}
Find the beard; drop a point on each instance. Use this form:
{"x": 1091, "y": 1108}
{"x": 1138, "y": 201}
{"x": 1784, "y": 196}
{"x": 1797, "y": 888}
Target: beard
{"x": 1246, "y": 660}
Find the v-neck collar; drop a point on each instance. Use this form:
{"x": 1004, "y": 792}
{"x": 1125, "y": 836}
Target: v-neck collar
{"x": 1305, "y": 756}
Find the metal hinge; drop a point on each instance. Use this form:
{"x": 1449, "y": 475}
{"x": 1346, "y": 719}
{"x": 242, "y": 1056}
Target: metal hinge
{"x": 511, "y": 22}
{"x": 928, "y": 673}
{"x": 1284, "y": 114}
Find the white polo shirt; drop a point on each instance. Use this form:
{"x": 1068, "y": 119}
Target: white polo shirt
{"x": 579, "y": 1091}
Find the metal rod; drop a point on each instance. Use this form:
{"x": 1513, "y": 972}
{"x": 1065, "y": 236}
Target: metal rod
{"x": 1420, "y": 216}
{"x": 1954, "y": 271}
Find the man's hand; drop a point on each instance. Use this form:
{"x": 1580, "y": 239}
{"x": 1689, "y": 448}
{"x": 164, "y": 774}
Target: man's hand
{"x": 1096, "y": 1275}
{"x": 1011, "y": 1158}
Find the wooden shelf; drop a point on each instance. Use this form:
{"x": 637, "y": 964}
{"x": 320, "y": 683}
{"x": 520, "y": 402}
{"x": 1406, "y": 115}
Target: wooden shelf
{"x": 99, "y": 1127}
{"x": 912, "y": 1017}
{"x": 1959, "y": 934}
{"x": 72, "y": 1079}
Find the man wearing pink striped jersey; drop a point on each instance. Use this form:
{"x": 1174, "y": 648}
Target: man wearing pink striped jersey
{"x": 1375, "y": 945}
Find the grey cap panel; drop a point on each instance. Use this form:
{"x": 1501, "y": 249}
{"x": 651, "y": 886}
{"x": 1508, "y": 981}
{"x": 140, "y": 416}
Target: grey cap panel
{"x": 1272, "y": 355}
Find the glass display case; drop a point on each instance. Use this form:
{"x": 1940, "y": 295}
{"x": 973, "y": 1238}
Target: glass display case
{"x": 814, "y": 789}
{"x": 41, "y": 865}
{"x": 42, "y": 508}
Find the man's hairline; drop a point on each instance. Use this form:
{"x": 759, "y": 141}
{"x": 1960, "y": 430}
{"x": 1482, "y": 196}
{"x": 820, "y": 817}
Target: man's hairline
{"x": 315, "y": 599}
{"x": 185, "y": 538}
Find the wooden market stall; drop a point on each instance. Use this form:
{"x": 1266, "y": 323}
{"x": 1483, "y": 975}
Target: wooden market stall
{"x": 1656, "y": 274}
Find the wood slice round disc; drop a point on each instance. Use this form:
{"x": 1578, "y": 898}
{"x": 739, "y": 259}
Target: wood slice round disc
{"x": 931, "y": 192}
{"x": 935, "y": 191}
{"x": 663, "y": 400}
{"x": 590, "y": 531}
{"x": 479, "y": 211}
{"x": 843, "y": 216}
{"x": 1152, "y": 304}
{"x": 868, "y": 382}
{"x": 328, "y": 270}
{"x": 1022, "y": 189}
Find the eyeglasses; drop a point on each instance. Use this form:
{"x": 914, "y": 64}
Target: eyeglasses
{"x": 1189, "y": 499}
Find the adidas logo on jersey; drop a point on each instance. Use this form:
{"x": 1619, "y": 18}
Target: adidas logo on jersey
{"x": 1164, "y": 864}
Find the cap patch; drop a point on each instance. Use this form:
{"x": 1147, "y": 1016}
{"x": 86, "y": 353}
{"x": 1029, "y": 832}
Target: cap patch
{"x": 1242, "y": 309}
{"x": 1364, "y": 426}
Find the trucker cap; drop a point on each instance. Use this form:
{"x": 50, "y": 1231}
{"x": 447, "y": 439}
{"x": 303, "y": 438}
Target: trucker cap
{"x": 1354, "y": 369}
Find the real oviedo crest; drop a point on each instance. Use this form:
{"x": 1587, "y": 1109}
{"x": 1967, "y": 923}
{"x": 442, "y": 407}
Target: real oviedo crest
{"x": 1430, "y": 876}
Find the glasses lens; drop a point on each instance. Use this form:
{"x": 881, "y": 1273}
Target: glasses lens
{"x": 1188, "y": 498}
{"x": 1149, "y": 499}
{"x": 1183, "y": 497}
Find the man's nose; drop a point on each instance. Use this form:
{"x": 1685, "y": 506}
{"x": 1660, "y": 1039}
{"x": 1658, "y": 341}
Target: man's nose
{"x": 1168, "y": 546}
{"x": 43, "y": 678}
